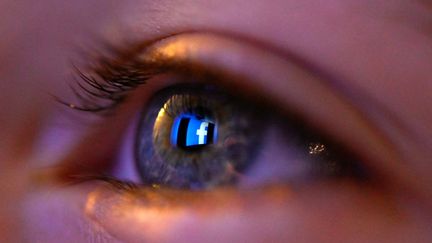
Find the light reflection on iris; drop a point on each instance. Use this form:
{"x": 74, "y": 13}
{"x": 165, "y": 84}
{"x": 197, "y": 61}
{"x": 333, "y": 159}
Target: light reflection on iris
{"x": 192, "y": 131}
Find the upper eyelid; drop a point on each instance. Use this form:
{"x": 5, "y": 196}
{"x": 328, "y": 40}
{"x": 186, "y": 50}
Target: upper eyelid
{"x": 158, "y": 56}
{"x": 97, "y": 80}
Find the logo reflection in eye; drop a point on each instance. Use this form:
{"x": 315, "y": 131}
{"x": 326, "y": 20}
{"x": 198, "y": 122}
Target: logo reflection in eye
{"x": 191, "y": 131}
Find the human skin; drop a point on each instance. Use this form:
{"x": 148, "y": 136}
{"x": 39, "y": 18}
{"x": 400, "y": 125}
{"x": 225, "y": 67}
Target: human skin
{"x": 375, "y": 55}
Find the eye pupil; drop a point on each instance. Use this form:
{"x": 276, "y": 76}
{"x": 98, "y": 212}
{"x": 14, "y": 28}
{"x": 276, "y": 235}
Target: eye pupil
{"x": 192, "y": 131}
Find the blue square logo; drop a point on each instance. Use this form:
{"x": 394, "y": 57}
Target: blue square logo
{"x": 189, "y": 131}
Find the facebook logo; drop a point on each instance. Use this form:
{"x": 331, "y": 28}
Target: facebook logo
{"x": 190, "y": 131}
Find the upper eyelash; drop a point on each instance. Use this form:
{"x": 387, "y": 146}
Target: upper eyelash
{"x": 114, "y": 72}
{"x": 108, "y": 82}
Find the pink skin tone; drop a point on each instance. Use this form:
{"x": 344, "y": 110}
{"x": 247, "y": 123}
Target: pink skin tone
{"x": 375, "y": 55}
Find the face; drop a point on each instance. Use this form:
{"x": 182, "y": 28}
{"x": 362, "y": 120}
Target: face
{"x": 210, "y": 121}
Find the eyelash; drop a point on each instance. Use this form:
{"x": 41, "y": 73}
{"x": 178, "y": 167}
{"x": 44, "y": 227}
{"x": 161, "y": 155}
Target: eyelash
{"x": 108, "y": 82}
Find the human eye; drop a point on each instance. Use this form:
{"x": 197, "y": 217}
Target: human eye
{"x": 217, "y": 126}
{"x": 195, "y": 134}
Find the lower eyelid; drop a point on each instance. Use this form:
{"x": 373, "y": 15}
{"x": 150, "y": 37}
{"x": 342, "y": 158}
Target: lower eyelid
{"x": 151, "y": 214}
{"x": 95, "y": 210}
{"x": 155, "y": 215}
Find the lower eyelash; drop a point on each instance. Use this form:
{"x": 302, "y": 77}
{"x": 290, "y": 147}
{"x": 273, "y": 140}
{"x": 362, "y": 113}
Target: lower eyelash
{"x": 117, "y": 184}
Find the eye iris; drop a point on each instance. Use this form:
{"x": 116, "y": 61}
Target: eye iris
{"x": 195, "y": 139}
